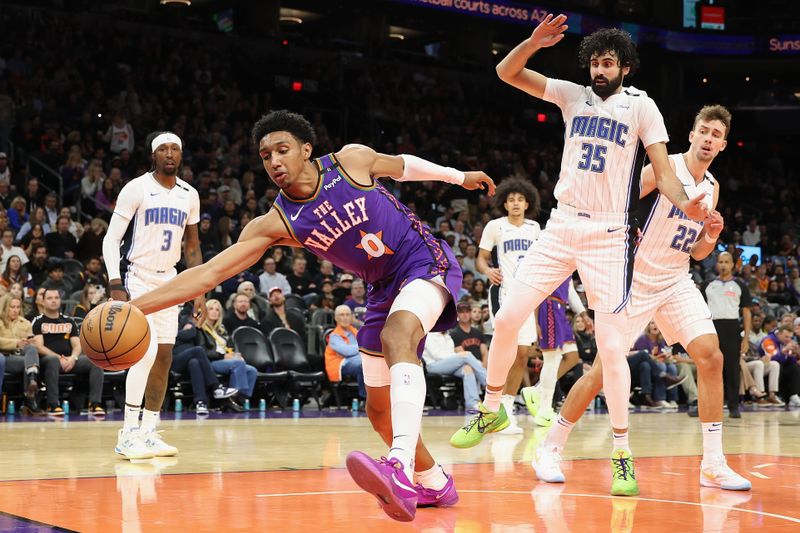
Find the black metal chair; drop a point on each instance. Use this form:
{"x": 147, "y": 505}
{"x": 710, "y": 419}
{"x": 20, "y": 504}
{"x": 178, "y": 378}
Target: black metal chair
{"x": 253, "y": 346}
{"x": 306, "y": 376}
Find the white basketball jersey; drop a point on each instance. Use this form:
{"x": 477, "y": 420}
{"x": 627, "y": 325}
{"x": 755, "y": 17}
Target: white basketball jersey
{"x": 668, "y": 234}
{"x": 156, "y": 219}
{"x": 511, "y": 241}
{"x": 603, "y": 152}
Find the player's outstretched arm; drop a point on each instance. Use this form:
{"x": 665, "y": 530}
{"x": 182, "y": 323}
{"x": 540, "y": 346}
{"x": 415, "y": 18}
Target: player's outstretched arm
{"x": 512, "y": 68}
{"x": 364, "y": 161}
{"x": 670, "y": 186}
{"x": 257, "y": 236}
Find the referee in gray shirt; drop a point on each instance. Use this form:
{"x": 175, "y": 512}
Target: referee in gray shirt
{"x": 729, "y": 298}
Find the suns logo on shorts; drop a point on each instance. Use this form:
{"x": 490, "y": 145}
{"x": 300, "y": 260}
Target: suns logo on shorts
{"x": 372, "y": 243}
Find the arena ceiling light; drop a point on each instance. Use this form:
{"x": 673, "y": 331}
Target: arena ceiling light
{"x": 297, "y": 16}
{"x": 177, "y": 3}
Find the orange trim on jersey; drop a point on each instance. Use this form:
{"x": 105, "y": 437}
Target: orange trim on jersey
{"x": 343, "y": 173}
{"x": 285, "y": 220}
{"x": 370, "y": 352}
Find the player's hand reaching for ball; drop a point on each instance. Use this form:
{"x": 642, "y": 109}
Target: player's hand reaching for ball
{"x": 549, "y": 32}
{"x": 478, "y": 180}
{"x": 695, "y": 208}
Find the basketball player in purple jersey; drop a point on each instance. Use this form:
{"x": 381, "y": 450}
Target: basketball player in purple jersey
{"x": 334, "y": 207}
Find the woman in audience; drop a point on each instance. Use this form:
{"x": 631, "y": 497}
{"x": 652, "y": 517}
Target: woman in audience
{"x": 17, "y": 213}
{"x": 18, "y": 355}
{"x": 91, "y": 297}
{"x": 480, "y": 294}
{"x": 37, "y": 306}
{"x": 32, "y": 238}
{"x": 583, "y": 328}
{"x": 14, "y": 273}
{"x": 106, "y": 198}
{"x": 224, "y": 360}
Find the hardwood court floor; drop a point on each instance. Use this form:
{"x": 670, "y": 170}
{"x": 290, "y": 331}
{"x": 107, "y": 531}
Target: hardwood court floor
{"x": 278, "y": 474}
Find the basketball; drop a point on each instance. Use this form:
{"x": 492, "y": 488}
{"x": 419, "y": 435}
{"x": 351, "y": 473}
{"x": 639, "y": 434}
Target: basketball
{"x": 115, "y": 335}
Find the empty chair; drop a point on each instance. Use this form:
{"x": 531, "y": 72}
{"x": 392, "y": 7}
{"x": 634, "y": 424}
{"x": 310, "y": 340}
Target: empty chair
{"x": 250, "y": 342}
{"x": 290, "y": 354}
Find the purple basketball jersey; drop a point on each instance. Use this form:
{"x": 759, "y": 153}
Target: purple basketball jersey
{"x": 552, "y": 319}
{"x": 368, "y": 231}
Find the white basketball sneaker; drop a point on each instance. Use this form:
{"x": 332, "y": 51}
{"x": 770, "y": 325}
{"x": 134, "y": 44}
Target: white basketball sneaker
{"x": 158, "y": 447}
{"x": 131, "y": 445}
{"x": 513, "y": 428}
{"x": 717, "y": 474}
{"x": 547, "y": 464}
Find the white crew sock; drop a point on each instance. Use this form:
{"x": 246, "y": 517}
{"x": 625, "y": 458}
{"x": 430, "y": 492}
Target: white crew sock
{"x": 408, "y": 398}
{"x": 547, "y": 378}
{"x": 712, "y": 441}
{"x": 559, "y": 433}
{"x": 433, "y": 478}
{"x": 149, "y": 420}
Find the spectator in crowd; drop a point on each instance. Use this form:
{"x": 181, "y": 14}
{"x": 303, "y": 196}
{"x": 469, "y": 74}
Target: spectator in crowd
{"x": 14, "y": 273}
{"x": 299, "y": 280}
{"x": 37, "y": 216}
{"x": 61, "y": 243}
{"x": 480, "y": 294}
{"x": 34, "y": 196}
{"x": 780, "y": 347}
{"x": 56, "y": 339}
{"x": 279, "y": 317}
{"x": 17, "y": 213}
{"x": 19, "y": 355}
{"x": 327, "y": 300}
{"x": 119, "y": 135}
{"x": 465, "y": 292}
{"x": 662, "y": 365}
{"x": 344, "y": 289}
{"x": 467, "y": 338}
{"x": 283, "y": 262}
{"x": 224, "y": 360}
{"x": 90, "y": 185}
{"x": 57, "y": 281}
{"x": 51, "y": 208}
{"x": 583, "y": 327}
{"x": 342, "y": 357}
{"x": 469, "y": 262}
{"x": 91, "y": 241}
{"x": 37, "y": 267}
{"x": 37, "y": 308}
{"x": 7, "y": 249}
{"x": 106, "y": 198}
{"x": 751, "y": 235}
{"x": 271, "y": 278}
{"x": 476, "y": 317}
{"x": 231, "y": 286}
{"x": 190, "y": 358}
{"x": 758, "y": 364}
{"x": 91, "y": 296}
{"x": 5, "y": 175}
{"x": 357, "y": 302}
{"x": 325, "y": 271}
{"x": 35, "y": 237}
{"x": 258, "y": 305}
{"x": 442, "y": 359}
{"x": 239, "y": 314}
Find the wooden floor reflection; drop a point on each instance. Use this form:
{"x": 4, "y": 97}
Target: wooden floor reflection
{"x": 287, "y": 475}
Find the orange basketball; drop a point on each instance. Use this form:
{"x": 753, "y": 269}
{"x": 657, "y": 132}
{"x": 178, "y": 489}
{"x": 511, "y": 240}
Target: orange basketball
{"x": 115, "y": 335}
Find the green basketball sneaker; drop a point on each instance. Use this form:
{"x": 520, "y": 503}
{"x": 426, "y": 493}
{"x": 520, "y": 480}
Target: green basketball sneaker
{"x": 623, "y": 479}
{"x": 483, "y": 422}
{"x": 532, "y": 399}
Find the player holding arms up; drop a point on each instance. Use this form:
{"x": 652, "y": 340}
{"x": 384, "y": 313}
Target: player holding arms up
{"x": 593, "y": 227}
{"x": 153, "y": 214}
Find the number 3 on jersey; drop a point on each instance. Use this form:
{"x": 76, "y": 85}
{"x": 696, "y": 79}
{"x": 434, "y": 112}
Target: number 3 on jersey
{"x": 593, "y": 157}
{"x": 167, "y": 240}
{"x": 684, "y": 239}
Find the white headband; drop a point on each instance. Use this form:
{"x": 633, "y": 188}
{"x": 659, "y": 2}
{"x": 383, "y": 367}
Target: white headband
{"x": 166, "y": 138}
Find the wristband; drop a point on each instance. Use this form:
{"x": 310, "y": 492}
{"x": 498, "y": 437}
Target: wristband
{"x": 710, "y": 240}
{"x": 118, "y": 287}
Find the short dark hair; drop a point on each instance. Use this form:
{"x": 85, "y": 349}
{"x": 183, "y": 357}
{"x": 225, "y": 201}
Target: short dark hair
{"x": 520, "y": 186}
{"x": 609, "y": 40}
{"x": 283, "y": 120}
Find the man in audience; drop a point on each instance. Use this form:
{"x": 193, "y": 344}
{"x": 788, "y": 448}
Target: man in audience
{"x": 61, "y": 243}
{"x": 357, "y": 302}
{"x": 277, "y": 316}
{"x": 441, "y": 358}
{"x": 342, "y": 357}
{"x": 56, "y": 340}
{"x": 37, "y": 266}
{"x": 8, "y": 249}
{"x": 467, "y": 338}
{"x": 239, "y": 314}
{"x": 780, "y": 347}
{"x": 299, "y": 280}
{"x": 56, "y": 280}
{"x": 272, "y": 278}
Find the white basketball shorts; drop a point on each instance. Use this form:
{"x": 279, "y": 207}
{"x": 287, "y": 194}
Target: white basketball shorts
{"x": 164, "y": 323}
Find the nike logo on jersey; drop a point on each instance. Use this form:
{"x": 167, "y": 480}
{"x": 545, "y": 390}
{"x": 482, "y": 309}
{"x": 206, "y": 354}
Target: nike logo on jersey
{"x": 154, "y": 193}
{"x": 612, "y": 230}
{"x": 294, "y": 217}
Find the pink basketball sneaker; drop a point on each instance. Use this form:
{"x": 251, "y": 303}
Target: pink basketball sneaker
{"x": 385, "y": 480}
{"x": 446, "y": 497}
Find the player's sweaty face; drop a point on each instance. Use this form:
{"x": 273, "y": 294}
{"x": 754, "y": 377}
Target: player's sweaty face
{"x": 708, "y": 139}
{"x": 168, "y": 158}
{"x": 283, "y": 157}
{"x": 516, "y": 204}
{"x": 606, "y": 73}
